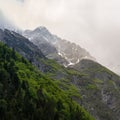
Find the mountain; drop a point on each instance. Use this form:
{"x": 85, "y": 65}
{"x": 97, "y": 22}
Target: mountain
{"x": 90, "y": 84}
{"x": 27, "y": 94}
{"x": 98, "y": 86}
{"x": 42, "y": 37}
{"x": 22, "y": 45}
{"x": 53, "y": 47}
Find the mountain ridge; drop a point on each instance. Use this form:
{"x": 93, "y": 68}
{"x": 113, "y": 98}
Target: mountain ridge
{"x": 91, "y": 85}
{"x": 70, "y": 52}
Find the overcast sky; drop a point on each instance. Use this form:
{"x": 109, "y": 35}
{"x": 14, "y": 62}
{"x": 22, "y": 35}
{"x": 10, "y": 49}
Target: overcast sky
{"x": 94, "y": 24}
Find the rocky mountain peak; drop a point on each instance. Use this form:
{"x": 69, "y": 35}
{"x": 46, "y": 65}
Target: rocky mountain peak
{"x": 41, "y": 28}
{"x": 56, "y": 48}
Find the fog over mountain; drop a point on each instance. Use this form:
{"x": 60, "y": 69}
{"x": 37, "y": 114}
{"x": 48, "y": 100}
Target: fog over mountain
{"x": 5, "y": 23}
{"x": 94, "y": 24}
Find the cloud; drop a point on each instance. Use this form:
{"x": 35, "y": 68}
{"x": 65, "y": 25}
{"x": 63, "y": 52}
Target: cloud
{"x": 94, "y": 24}
{"x": 30, "y": 13}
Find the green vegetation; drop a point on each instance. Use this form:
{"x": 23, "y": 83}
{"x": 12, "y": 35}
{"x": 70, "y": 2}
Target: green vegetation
{"x": 91, "y": 86}
{"x": 27, "y": 94}
{"x": 98, "y": 81}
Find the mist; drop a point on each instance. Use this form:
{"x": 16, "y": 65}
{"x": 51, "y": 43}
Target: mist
{"x": 93, "y": 24}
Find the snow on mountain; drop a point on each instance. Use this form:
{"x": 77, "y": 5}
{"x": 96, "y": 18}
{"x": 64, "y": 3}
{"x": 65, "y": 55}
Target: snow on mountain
{"x": 54, "y": 47}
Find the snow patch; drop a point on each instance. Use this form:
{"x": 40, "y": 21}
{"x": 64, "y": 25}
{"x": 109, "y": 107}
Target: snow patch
{"x": 60, "y": 54}
{"x": 77, "y": 61}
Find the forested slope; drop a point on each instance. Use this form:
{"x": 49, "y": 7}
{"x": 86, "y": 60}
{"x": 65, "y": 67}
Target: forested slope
{"x": 27, "y": 94}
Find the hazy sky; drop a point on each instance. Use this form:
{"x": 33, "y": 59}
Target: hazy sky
{"x": 94, "y": 24}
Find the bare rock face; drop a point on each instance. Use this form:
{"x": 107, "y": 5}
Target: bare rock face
{"x": 53, "y": 47}
{"x": 71, "y": 52}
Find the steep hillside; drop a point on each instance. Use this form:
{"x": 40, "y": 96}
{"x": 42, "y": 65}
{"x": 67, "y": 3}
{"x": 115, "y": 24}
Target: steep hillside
{"x": 26, "y": 94}
{"x": 89, "y": 83}
{"x": 100, "y": 90}
{"x": 22, "y": 45}
{"x": 93, "y": 86}
{"x": 53, "y": 47}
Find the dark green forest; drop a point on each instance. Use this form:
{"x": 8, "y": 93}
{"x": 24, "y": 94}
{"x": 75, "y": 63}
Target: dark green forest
{"x": 28, "y": 94}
